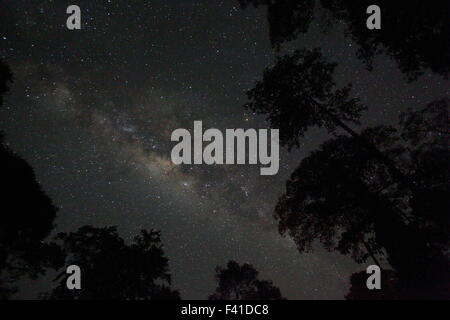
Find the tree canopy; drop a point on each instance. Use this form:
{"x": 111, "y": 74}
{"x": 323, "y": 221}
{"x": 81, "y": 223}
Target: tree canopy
{"x": 359, "y": 290}
{"x": 415, "y": 34}
{"x": 112, "y": 269}
{"x": 343, "y": 197}
{"x": 298, "y": 92}
{"x": 26, "y": 218}
{"x": 240, "y": 282}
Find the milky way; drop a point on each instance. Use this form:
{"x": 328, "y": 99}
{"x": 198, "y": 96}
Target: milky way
{"x": 93, "y": 110}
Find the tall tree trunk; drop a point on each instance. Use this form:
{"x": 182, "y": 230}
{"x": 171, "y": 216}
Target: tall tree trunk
{"x": 370, "y": 147}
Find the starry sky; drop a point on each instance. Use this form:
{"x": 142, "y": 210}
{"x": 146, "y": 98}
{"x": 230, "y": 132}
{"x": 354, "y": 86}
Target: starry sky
{"x": 92, "y": 111}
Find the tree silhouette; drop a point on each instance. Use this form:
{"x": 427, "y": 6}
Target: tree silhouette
{"x": 425, "y": 133}
{"x": 286, "y": 18}
{"x": 298, "y": 93}
{"x": 26, "y": 217}
{"x": 415, "y": 33}
{"x": 240, "y": 282}
{"x": 349, "y": 194}
{"x": 341, "y": 196}
{"x": 388, "y": 291}
{"x": 5, "y": 78}
{"x": 112, "y": 269}
{"x": 328, "y": 197}
{"x": 364, "y": 194}
{"x": 428, "y": 127}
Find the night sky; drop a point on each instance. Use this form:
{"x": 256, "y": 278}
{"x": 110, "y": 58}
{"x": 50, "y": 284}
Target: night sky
{"x": 92, "y": 111}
